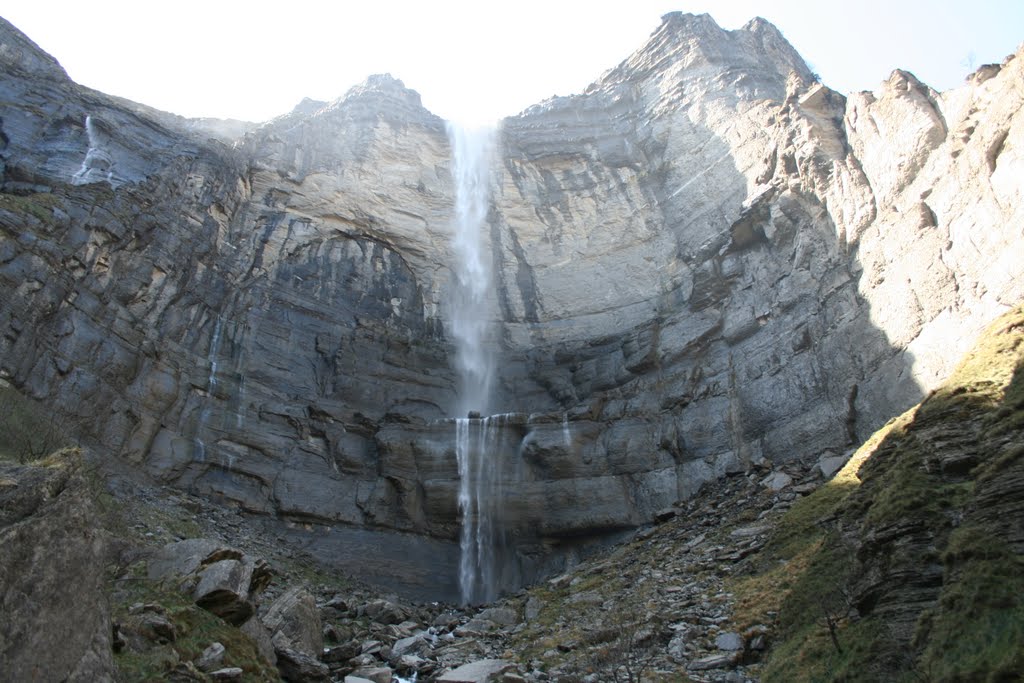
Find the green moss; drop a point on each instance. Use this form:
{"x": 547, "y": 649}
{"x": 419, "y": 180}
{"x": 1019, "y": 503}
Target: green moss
{"x": 196, "y": 630}
{"x": 900, "y": 482}
{"x": 975, "y": 631}
{"x": 40, "y": 206}
{"x": 27, "y": 432}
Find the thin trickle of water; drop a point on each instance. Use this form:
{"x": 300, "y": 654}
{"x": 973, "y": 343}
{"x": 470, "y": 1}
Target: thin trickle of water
{"x": 199, "y": 452}
{"x": 211, "y": 380}
{"x": 566, "y": 433}
{"x": 240, "y": 408}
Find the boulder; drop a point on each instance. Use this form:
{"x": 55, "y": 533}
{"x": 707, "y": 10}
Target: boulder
{"x": 718, "y": 661}
{"x": 384, "y": 612}
{"x": 503, "y": 616}
{"x": 410, "y": 645}
{"x": 376, "y": 674}
{"x": 776, "y": 481}
{"x": 482, "y": 671}
{"x": 341, "y": 653}
{"x": 829, "y": 464}
{"x": 146, "y": 628}
{"x": 221, "y": 579}
{"x": 729, "y": 641}
{"x": 294, "y": 622}
{"x": 183, "y": 558}
{"x": 223, "y": 589}
{"x": 298, "y": 667}
{"x": 259, "y": 635}
{"x": 211, "y": 658}
{"x": 53, "y": 557}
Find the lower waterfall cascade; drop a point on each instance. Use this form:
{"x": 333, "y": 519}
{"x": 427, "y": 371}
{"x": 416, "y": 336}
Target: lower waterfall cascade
{"x": 476, "y": 438}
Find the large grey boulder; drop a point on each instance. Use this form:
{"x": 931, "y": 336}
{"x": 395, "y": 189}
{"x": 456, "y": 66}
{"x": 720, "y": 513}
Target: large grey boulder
{"x": 224, "y": 589}
{"x": 294, "y": 622}
{"x": 221, "y": 579}
{"x": 53, "y": 557}
{"x": 482, "y": 671}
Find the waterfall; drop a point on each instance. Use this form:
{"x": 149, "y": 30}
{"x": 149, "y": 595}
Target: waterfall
{"x": 475, "y": 438}
{"x": 211, "y": 380}
{"x": 470, "y": 308}
{"x": 211, "y": 385}
{"x": 97, "y": 164}
{"x": 478, "y": 443}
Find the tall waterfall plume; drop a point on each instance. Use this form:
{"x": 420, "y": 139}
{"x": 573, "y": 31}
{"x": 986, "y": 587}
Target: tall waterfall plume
{"x": 471, "y": 314}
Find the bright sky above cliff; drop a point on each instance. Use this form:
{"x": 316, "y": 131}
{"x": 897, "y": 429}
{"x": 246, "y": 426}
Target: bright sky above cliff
{"x": 471, "y": 61}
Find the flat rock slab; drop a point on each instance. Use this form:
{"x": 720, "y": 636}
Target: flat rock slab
{"x": 711, "y": 662}
{"x": 483, "y": 671}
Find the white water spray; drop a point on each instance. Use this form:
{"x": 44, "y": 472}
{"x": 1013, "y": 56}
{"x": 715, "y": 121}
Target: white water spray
{"x": 475, "y": 438}
{"x": 97, "y": 164}
{"x": 471, "y": 311}
{"x": 211, "y": 380}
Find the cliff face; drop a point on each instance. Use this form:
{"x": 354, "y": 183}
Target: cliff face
{"x": 705, "y": 262}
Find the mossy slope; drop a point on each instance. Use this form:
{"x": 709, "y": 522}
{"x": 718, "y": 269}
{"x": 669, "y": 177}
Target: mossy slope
{"x": 909, "y": 565}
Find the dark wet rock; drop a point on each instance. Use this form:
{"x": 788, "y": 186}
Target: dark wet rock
{"x": 341, "y": 653}
{"x": 298, "y": 667}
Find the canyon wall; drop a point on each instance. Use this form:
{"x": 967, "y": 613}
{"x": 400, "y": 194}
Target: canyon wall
{"x": 706, "y": 262}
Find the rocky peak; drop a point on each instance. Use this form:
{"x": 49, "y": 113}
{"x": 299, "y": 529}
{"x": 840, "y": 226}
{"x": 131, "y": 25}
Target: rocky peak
{"x": 19, "y": 53}
{"x": 384, "y": 86}
{"x": 317, "y": 135}
{"x": 688, "y": 46}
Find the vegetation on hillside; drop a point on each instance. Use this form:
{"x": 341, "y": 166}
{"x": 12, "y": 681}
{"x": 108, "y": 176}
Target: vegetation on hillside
{"x": 27, "y": 431}
{"x": 909, "y": 565}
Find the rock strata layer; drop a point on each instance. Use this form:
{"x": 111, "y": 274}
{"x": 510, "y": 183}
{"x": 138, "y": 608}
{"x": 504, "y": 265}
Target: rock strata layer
{"x": 778, "y": 270}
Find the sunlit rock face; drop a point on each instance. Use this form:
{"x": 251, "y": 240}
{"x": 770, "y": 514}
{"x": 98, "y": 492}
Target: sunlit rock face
{"x": 706, "y": 261}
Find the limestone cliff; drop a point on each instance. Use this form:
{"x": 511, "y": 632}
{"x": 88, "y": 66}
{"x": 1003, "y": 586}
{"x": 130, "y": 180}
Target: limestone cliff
{"x": 706, "y": 261}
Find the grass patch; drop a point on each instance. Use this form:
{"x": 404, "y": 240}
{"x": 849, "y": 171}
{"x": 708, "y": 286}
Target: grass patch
{"x": 976, "y": 630}
{"x": 28, "y": 433}
{"x": 939, "y": 487}
{"x": 40, "y": 205}
{"x": 196, "y": 630}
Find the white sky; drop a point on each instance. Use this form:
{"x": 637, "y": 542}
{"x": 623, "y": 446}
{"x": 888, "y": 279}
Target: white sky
{"x": 471, "y": 61}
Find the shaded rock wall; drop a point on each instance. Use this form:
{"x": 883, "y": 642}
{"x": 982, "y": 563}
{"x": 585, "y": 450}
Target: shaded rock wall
{"x": 706, "y": 261}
